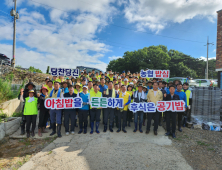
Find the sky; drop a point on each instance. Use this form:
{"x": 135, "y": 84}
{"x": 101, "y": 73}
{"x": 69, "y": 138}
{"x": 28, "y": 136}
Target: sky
{"x": 70, "y": 33}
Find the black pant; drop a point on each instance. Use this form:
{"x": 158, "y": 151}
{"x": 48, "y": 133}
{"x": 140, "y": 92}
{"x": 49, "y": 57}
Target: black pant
{"x": 72, "y": 115}
{"x": 129, "y": 116}
{"x": 30, "y": 119}
{"x": 83, "y": 117}
{"x": 173, "y": 116}
{"x": 180, "y": 116}
{"x": 120, "y": 115}
{"x": 108, "y": 114}
{"x": 116, "y": 116}
{"x": 95, "y": 115}
{"x": 156, "y": 120}
{"x": 43, "y": 117}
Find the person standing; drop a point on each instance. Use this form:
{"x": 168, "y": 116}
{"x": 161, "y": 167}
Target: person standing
{"x": 44, "y": 112}
{"x": 123, "y": 112}
{"x": 29, "y": 86}
{"x": 183, "y": 97}
{"x": 56, "y": 114}
{"x": 170, "y": 114}
{"x": 109, "y": 112}
{"x": 153, "y": 95}
{"x": 189, "y": 102}
{"x": 160, "y": 84}
{"x": 95, "y": 112}
{"x": 30, "y": 111}
{"x": 139, "y": 97}
{"x": 84, "y": 111}
{"x": 129, "y": 113}
{"x": 70, "y": 113}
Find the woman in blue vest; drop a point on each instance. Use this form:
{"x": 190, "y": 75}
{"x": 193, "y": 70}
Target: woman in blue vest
{"x": 30, "y": 111}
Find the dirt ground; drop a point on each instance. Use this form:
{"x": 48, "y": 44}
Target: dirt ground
{"x": 15, "y": 152}
{"x": 202, "y": 149}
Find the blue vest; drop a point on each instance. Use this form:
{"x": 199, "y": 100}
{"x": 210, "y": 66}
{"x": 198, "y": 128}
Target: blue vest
{"x": 58, "y": 94}
{"x": 85, "y": 98}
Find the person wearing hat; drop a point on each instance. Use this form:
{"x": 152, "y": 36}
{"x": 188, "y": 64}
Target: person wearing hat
{"x": 130, "y": 113}
{"x": 122, "y": 79}
{"x": 139, "y": 97}
{"x": 111, "y": 76}
{"x": 29, "y": 86}
{"x": 126, "y": 83}
{"x": 56, "y": 114}
{"x": 30, "y": 111}
{"x": 122, "y": 113}
{"x": 70, "y": 114}
{"x": 44, "y": 112}
{"x": 84, "y": 111}
{"x": 77, "y": 88}
{"x": 153, "y": 95}
{"x": 109, "y": 112}
{"x": 95, "y": 112}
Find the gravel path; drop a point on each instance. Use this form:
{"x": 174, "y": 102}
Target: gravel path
{"x": 109, "y": 151}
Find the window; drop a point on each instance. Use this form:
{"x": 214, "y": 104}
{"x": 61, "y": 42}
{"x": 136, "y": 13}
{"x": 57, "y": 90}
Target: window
{"x": 203, "y": 81}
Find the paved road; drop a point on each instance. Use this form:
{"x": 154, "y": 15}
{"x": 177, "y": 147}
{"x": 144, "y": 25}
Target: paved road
{"x": 104, "y": 151}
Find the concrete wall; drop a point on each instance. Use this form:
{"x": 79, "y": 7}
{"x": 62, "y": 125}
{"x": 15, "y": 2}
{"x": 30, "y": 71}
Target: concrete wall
{"x": 11, "y": 106}
{"x": 8, "y": 128}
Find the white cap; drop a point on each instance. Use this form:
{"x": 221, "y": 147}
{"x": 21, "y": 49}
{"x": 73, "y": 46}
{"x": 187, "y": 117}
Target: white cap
{"x": 82, "y": 71}
{"x": 131, "y": 83}
{"x": 85, "y": 87}
{"x": 119, "y": 77}
{"x": 125, "y": 79}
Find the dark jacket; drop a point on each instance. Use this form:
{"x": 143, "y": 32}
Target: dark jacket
{"x": 175, "y": 97}
{"x": 68, "y": 95}
{"x": 164, "y": 92}
{"x": 41, "y": 101}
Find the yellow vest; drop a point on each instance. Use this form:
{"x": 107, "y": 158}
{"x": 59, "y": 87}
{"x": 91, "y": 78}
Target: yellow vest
{"x": 58, "y": 80}
{"x": 94, "y": 94}
{"x": 31, "y": 108}
{"x": 76, "y": 91}
{"x": 188, "y": 92}
{"x": 125, "y": 99}
{"x": 113, "y": 92}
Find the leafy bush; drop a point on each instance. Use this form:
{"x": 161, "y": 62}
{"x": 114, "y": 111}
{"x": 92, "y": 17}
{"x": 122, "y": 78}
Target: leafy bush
{"x": 33, "y": 69}
{"x": 17, "y": 114}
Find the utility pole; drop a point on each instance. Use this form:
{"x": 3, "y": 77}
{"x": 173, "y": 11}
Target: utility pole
{"x": 207, "y": 57}
{"x": 16, "y": 16}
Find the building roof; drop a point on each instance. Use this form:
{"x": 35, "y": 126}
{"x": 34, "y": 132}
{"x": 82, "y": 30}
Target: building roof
{"x": 219, "y": 11}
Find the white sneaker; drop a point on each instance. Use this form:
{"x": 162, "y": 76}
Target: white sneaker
{"x": 73, "y": 133}
{"x": 67, "y": 133}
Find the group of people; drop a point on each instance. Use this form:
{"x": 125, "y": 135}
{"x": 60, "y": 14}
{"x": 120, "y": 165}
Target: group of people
{"x": 129, "y": 86}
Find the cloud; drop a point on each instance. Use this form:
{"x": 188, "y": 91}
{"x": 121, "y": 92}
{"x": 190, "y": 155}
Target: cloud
{"x": 57, "y": 38}
{"x": 155, "y": 15}
{"x": 205, "y": 58}
{"x": 214, "y": 50}
{"x": 114, "y": 57}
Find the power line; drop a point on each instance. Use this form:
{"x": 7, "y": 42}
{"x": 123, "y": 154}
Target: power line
{"x": 123, "y": 26}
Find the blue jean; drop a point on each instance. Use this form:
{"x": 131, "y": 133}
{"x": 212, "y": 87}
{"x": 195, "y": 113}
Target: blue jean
{"x": 140, "y": 114}
{"x": 55, "y": 116}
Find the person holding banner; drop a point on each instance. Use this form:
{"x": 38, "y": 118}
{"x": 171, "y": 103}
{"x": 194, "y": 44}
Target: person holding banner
{"x": 139, "y": 97}
{"x": 183, "y": 97}
{"x": 70, "y": 113}
{"x": 170, "y": 114}
{"x": 44, "y": 112}
{"x": 84, "y": 111}
{"x": 153, "y": 95}
{"x": 95, "y": 112}
{"x": 109, "y": 112}
{"x": 123, "y": 112}
{"x": 56, "y": 114}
